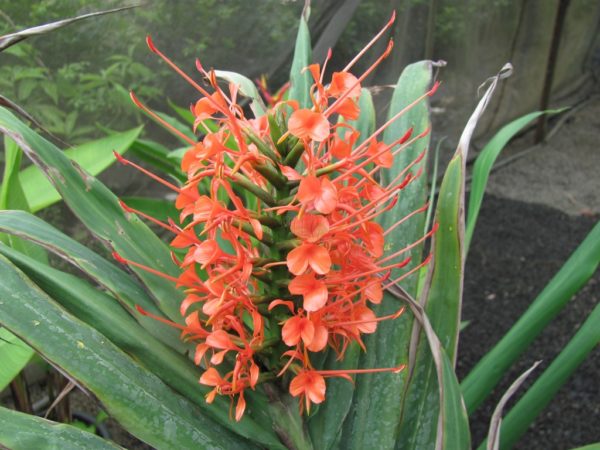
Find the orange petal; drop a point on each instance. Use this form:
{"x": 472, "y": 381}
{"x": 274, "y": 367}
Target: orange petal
{"x": 240, "y": 407}
{"x": 307, "y": 124}
{"x": 316, "y": 298}
{"x": 309, "y": 188}
{"x": 342, "y": 82}
{"x": 348, "y": 109}
{"x": 297, "y": 260}
{"x": 319, "y": 259}
{"x": 296, "y": 328}
{"x": 326, "y": 201}
{"x": 211, "y": 377}
{"x": 320, "y": 339}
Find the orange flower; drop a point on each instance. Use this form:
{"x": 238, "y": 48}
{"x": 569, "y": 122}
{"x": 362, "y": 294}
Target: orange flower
{"x": 310, "y": 227}
{"x": 307, "y": 124}
{"x": 312, "y": 255}
{"x": 296, "y": 329}
{"x": 312, "y": 290}
{"x": 309, "y": 386}
{"x": 320, "y": 194}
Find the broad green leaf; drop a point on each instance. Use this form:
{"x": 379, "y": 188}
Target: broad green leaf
{"x": 14, "y": 354}
{"x": 13, "y": 197}
{"x": 93, "y": 157}
{"x": 183, "y": 113}
{"x": 300, "y": 80}
{"x": 452, "y": 429}
{"x": 595, "y": 446}
{"x": 123, "y": 287}
{"x": 99, "y": 210}
{"x": 104, "y": 313}
{"x": 522, "y": 415}
{"x": 20, "y": 431}
{"x": 484, "y": 163}
{"x": 376, "y": 409}
{"x": 573, "y": 275}
{"x": 247, "y": 88}
{"x": 142, "y": 403}
{"x": 442, "y": 299}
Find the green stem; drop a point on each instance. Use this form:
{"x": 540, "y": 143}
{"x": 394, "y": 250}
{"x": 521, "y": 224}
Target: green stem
{"x": 245, "y": 183}
{"x": 294, "y": 155}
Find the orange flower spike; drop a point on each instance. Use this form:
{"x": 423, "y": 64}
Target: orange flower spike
{"x": 308, "y": 125}
{"x": 308, "y": 254}
{"x": 313, "y": 291}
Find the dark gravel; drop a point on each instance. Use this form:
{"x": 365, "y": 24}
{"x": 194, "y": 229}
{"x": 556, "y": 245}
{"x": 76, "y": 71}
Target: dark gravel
{"x": 517, "y": 248}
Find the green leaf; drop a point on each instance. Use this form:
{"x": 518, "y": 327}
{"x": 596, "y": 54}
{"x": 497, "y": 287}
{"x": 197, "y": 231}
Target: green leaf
{"x": 104, "y": 313}
{"x": 573, "y": 275}
{"x": 452, "y": 428}
{"x": 300, "y": 80}
{"x": 442, "y": 299}
{"x": 183, "y": 113}
{"x": 522, "y": 415}
{"x": 483, "y": 166}
{"x": 247, "y": 88}
{"x": 121, "y": 285}
{"x": 93, "y": 156}
{"x": 99, "y": 210}
{"x": 20, "y": 431}
{"x": 12, "y": 197}
{"x": 14, "y": 354}
{"x": 375, "y": 413}
{"x": 145, "y": 406}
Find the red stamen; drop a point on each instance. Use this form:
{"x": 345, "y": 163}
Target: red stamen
{"x": 405, "y": 218}
{"x": 331, "y": 109}
{"x": 127, "y": 162}
{"x": 143, "y": 312}
{"x": 160, "y": 120}
{"x": 377, "y": 319}
{"x": 371, "y": 42}
{"x": 128, "y": 262}
{"x": 336, "y": 373}
{"x": 150, "y": 218}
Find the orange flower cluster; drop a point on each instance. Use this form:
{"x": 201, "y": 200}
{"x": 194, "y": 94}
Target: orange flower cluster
{"x": 282, "y": 252}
